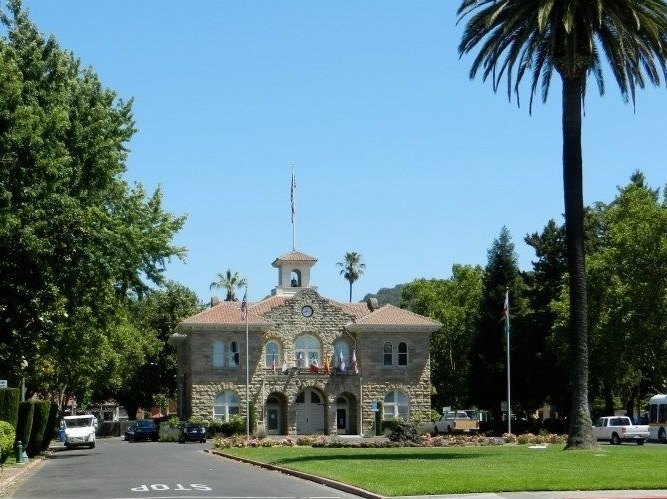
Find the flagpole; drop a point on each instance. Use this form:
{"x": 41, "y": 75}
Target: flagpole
{"x": 292, "y": 200}
{"x": 247, "y": 371}
{"x": 507, "y": 330}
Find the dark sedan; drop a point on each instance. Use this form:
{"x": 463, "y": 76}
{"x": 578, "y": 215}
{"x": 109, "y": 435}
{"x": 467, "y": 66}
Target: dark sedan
{"x": 193, "y": 432}
{"x": 142, "y": 429}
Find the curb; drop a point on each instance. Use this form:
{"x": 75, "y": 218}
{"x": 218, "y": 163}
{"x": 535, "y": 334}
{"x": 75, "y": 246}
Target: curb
{"x": 300, "y": 474}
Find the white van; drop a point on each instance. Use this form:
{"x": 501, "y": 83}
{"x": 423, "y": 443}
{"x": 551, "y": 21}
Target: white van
{"x": 80, "y": 430}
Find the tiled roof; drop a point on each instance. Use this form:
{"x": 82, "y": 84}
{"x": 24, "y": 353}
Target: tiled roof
{"x": 228, "y": 313}
{"x": 391, "y": 317}
{"x": 294, "y": 256}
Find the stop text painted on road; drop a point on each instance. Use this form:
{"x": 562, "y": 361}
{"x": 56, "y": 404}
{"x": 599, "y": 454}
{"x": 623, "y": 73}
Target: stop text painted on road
{"x": 178, "y": 487}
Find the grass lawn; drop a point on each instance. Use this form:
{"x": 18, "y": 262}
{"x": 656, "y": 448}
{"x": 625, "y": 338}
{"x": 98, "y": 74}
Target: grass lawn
{"x": 453, "y": 470}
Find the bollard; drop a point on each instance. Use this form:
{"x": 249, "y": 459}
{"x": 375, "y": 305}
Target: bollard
{"x": 19, "y": 452}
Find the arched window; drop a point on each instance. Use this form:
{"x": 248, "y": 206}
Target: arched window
{"x": 307, "y": 350}
{"x": 226, "y": 405}
{"x": 218, "y": 353}
{"x": 395, "y": 406}
{"x": 387, "y": 354}
{"x": 341, "y": 355}
{"x": 402, "y": 354}
{"x": 234, "y": 359}
{"x": 272, "y": 355}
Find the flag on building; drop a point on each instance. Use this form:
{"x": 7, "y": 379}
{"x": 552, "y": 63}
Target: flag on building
{"x": 354, "y": 361}
{"x": 327, "y": 367}
{"x": 273, "y": 363}
{"x": 341, "y": 362}
{"x": 244, "y": 306}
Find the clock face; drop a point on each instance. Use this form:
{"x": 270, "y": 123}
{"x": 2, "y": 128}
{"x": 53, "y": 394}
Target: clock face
{"x": 307, "y": 311}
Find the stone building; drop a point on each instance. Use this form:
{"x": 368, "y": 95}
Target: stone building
{"x": 313, "y": 365}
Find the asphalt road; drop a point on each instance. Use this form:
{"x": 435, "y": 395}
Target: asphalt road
{"x": 116, "y": 469}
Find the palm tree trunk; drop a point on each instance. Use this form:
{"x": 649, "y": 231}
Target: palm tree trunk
{"x": 580, "y": 434}
{"x": 350, "y": 291}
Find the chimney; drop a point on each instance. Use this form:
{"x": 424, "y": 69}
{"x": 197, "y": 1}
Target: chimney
{"x": 214, "y": 301}
{"x": 372, "y": 304}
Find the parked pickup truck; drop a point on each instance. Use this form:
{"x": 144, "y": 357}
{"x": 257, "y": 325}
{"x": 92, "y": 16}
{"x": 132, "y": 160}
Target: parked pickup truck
{"x": 617, "y": 429}
{"x": 455, "y": 422}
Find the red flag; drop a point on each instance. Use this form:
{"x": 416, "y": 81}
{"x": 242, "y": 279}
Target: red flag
{"x": 506, "y": 306}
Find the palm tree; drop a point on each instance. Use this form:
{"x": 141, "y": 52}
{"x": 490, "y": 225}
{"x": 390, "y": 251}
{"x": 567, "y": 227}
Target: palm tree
{"x": 536, "y": 37}
{"x": 229, "y": 281}
{"x": 351, "y": 268}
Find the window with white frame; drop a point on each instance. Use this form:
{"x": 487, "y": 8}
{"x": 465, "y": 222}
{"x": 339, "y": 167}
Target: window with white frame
{"x": 387, "y": 354}
{"x": 226, "y": 405}
{"x": 272, "y": 355}
{"x": 402, "y": 354}
{"x": 218, "y": 353}
{"x": 396, "y": 405}
{"x": 234, "y": 359}
{"x": 307, "y": 351}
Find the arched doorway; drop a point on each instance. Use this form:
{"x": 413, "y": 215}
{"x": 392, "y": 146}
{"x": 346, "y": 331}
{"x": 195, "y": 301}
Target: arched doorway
{"x": 347, "y": 414}
{"x": 276, "y": 414}
{"x": 310, "y": 409}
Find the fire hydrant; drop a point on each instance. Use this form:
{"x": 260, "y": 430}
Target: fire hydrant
{"x": 19, "y": 452}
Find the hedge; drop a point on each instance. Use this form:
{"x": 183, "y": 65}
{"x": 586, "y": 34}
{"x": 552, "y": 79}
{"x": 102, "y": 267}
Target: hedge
{"x": 24, "y": 423}
{"x": 9, "y": 405}
{"x": 40, "y": 419}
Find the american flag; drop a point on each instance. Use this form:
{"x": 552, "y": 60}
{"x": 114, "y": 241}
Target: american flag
{"x": 354, "y": 361}
{"x": 292, "y": 189}
{"x": 244, "y": 306}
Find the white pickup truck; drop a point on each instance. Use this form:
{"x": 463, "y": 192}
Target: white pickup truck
{"x": 617, "y": 429}
{"x": 455, "y": 422}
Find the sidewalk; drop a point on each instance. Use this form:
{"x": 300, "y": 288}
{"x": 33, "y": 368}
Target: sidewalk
{"x": 11, "y": 474}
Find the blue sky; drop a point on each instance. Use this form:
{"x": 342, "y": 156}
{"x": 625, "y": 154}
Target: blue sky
{"x": 398, "y": 155}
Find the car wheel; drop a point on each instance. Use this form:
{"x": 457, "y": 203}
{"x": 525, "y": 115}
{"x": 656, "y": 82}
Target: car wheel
{"x": 67, "y": 446}
{"x": 615, "y": 440}
{"x": 640, "y": 441}
{"x": 203, "y": 440}
{"x": 449, "y": 430}
{"x": 435, "y": 430}
{"x": 92, "y": 446}
{"x": 662, "y": 436}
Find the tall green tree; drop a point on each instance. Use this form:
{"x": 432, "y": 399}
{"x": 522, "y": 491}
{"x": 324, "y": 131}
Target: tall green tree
{"x": 630, "y": 288}
{"x": 152, "y": 377}
{"x": 454, "y": 302}
{"x": 351, "y": 268}
{"x": 77, "y": 241}
{"x": 488, "y": 354}
{"x": 229, "y": 281}
{"x": 536, "y": 37}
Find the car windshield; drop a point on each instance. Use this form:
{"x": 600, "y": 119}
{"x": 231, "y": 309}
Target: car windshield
{"x": 78, "y": 422}
{"x": 145, "y": 424}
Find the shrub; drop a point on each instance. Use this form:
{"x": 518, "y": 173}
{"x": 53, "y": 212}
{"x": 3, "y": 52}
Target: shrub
{"x": 7, "y": 436}
{"x": 403, "y": 433}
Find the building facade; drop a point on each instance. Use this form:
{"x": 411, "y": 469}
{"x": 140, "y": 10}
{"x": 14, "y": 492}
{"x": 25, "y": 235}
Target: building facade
{"x": 302, "y": 363}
